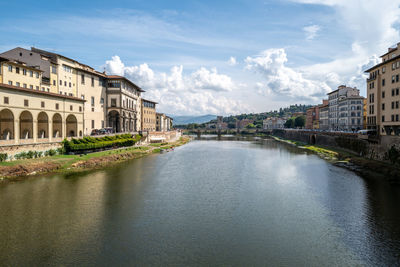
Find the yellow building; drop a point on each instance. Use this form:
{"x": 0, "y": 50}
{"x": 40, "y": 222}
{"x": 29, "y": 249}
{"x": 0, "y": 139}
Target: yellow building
{"x": 383, "y": 94}
{"x": 148, "y": 115}
{"x": 29, "y": 114}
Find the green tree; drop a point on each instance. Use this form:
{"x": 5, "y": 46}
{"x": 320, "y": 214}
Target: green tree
{"x": 250, "y": 126}
{"x": 300, "y": 121}
{"x": 289, "y": 123}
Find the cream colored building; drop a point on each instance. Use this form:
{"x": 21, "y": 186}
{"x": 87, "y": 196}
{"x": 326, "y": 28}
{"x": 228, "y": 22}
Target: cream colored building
{"x": 29, "y": 114}
{"x": 148, "y": 115}
{"x": 383, "y": 94}
{"x": 100, "y": 100}
{"x": 123, "y": 104}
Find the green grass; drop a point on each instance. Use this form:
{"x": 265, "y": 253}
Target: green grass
{"x": 66, "y": 161}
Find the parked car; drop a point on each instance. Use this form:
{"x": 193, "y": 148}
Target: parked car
{"x": 94, "y": 132}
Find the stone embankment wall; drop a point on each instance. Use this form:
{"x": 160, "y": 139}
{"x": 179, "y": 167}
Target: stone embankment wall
{"x": 157, "y": 137}
{"x": 346, "y": 141}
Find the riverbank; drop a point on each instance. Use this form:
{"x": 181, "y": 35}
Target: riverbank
{"x": 21, "y": 169}
{"x": 367, "y": 168}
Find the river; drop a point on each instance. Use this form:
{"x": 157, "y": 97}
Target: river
{"x": 210, "y": 202}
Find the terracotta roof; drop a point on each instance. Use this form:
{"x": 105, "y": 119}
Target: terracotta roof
{"x": 6, "y": 86}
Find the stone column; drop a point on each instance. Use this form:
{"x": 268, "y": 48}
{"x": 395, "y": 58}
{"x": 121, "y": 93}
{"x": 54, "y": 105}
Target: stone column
{"x": 16, "y": 131}
{"x": 50, "y": 130}
{"x": 35, "y": 130}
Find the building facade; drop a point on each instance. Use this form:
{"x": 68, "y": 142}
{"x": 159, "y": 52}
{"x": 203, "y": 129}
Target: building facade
{"x": 334, "y": 97}
{"x": 273, "y": 123}
{"x": 39, "y": 88}
{"x": 324, "y": 116}
{"x": 148, "y": 115}
{"x": 29, "y": 114}
{"x": 351, "y": 113}
{"x": 383, "y": 94}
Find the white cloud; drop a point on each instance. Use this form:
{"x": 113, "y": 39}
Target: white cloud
{"x": 311, "y": 31}
{"x": 200, "y": 92}
{"x": 282, "y": 80}
{"x": 211, "y": 80}
{"x": 232, "y": 61}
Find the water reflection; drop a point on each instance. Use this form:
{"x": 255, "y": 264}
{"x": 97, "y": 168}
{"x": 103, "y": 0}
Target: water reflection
{"x": 228, "y": 202}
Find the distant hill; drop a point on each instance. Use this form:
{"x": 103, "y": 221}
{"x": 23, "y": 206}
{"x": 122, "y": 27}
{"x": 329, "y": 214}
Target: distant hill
{"x": 181, "y": 120}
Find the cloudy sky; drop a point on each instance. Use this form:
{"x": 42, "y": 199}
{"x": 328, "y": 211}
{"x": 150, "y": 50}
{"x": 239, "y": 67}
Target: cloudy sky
{"x": 214, "y": 57}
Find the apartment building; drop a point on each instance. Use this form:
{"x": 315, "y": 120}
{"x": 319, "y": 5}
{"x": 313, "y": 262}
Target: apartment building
{"x": 29, "y": 114}
{"x": 148, "y": 115}
{"x": 351, "y": 113}
{"x": 324, "y": 115}
{"x": 334, "y": 97}
{"x": 273, "y": 123}
{"x": 163, "y": 122}
{"x": 383, "y": 94}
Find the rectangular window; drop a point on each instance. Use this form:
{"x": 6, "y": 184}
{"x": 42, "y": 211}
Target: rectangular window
{"x": 65, "y": 83}
{"x": 383, "y": 106}
{"x": 70, "y": 107}
{"x": 24, "y": 71}
{"x": 92, "y": 82}
{"x": 37, "y": 87}
{"x": 113, "y": 102}
{"x": 392, "y": 117}
{"x": 393, "y": 78}
{"x": 70, "y": 84}
{"x": 383, "y": 94}
{"x": 397, "y": 78}
{"x": 80, "y": 109}
{"x": 397, "y": 104}
{"x": 10, "y": 68}
{"x": 37, "y": 74}
{"x": 17, "y": 84}
{"x": 392, "y": 92}
{"x": 92, "y": 124}
{"x": 26, "y": 102}
{"x": 397, "y": 91}
{"x": 25, "y": 86}
{"x": 9, "y": 82}
{"x": 383, "y": 118}
{"x": 31, "y": 87}
{"x": 383, "y": 69}
{"x": 42, "y": 104}
{"x": 5, "y": 100}
{"x": 383, "y": 82}
{"x": 92, "y": 100}
{"x": 83, "y": 78}
{"x": 397, "y": 117}
{"x": 30, "y": 73}
{"x": 17, "y": 70}
{"x": 57, "y": 106}
{"x": 54, "y": 82}
{"x": 102, "y": 101}
{"x": 392, "y": 105}
{"x": 53, "y": 69}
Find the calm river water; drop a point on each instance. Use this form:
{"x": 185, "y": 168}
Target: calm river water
{"x": 240, "y": 203}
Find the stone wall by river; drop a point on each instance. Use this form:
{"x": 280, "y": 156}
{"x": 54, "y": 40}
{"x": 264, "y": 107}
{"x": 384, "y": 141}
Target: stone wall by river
{"x": 346, "y": 141}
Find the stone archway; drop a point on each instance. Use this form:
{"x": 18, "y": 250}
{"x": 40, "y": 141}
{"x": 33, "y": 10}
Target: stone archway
{"x": 26, "y": 125}
{"x": 6, "y": 125}
{"x": 57, "y": 126}
{"x": 43, "y": 125}
{"x": 72, "y": 126}
{"x": 114, "y": 121}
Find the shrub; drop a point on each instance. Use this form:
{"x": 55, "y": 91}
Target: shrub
{"x": 91, "y": 143}
{"x": 3, "y": 157}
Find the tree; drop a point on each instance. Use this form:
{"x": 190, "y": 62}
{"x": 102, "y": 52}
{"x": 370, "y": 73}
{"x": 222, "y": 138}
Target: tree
{"x": 231, "y": 125}
{"x": 250, "y": 126}
{"x": 289, "y": 123}
{"x": 300, "y": 121}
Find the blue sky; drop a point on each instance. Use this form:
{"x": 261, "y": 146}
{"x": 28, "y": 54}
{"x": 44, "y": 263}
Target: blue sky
{"x": 219, "y": 57}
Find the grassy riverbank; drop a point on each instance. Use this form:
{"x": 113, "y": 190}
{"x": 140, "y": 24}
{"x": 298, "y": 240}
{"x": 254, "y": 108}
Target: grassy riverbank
{"x": 20, "y": 169}
{"x": 365, "y": 167}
